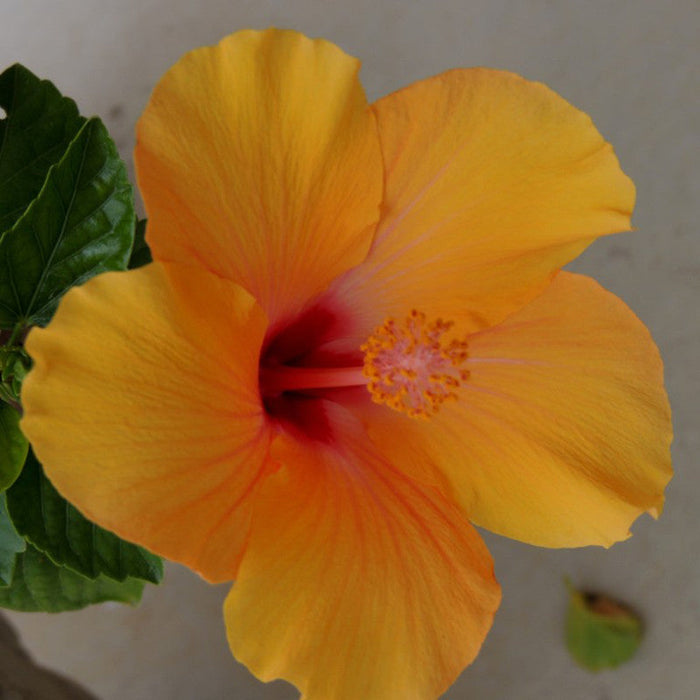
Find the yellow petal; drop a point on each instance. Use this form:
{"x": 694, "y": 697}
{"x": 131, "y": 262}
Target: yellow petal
{"x": 492, "y": 184}
{"x": 357, "y": 583}
{"x": 560, "y": 436}
{"x": 258, "y": 159}
{"x": 143, "y": 407}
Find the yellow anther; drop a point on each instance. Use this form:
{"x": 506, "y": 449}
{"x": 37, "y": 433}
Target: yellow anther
{"x": 412, "y": 367}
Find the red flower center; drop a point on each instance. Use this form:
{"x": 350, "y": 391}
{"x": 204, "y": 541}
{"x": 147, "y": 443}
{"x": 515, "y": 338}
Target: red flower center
{"x": 412, "y": 367}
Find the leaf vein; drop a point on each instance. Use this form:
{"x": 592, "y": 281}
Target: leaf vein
{"x": 59, "y": 238}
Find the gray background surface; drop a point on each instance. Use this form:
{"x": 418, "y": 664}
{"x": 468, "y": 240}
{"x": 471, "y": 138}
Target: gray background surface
{"x": 633, "y": 66}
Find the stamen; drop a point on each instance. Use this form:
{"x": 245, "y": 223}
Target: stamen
{"x": 412, "y": 367}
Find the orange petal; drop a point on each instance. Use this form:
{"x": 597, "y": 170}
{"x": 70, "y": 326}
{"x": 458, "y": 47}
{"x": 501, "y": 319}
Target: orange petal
{"x": 560, "y": 436}
{"x": 143, "y": 407}
{"x": 356, "y": 582}
{"x": 492, "y": 184}
{"x": 258, "y": 159}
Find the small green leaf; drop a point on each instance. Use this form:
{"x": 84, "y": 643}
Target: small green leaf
{"x": 39, "y": 125}
{"x": 58, "y": 530}
{"x": 141, "y": 253}
{"x": 80, "y": 224}
{"x": 40, "y": 585}
{"x": 600, "y": 632}
{"x": 13, "y": 446}
{"x": 11, "y": 544}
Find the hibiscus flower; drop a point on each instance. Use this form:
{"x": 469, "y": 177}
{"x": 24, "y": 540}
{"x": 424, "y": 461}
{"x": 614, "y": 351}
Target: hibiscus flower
{"x": 354, "y": 342}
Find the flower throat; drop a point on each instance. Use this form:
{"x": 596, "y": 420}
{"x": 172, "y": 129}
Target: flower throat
{"x": 410, "y": 366}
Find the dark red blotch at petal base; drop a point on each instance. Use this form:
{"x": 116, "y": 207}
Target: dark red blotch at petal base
{"x": 296, "y": 343}
{"x": 299, "y": 344}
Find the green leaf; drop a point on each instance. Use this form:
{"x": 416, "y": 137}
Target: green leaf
{"x": 600, "y": 632}
{"x": 11, "y": 544}
{"x": 57, "y": 529}
{"x": 14, "y": 365}
{"x": 39, "y": 125}
{"x": 40, "y": 585}
{"x": 141, "y": 253}
{"x": 80, "y": 224}
{"x": 13, "y": 446}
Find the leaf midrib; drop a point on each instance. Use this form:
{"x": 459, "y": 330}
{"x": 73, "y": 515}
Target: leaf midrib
{"x": 68, "y": 209}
